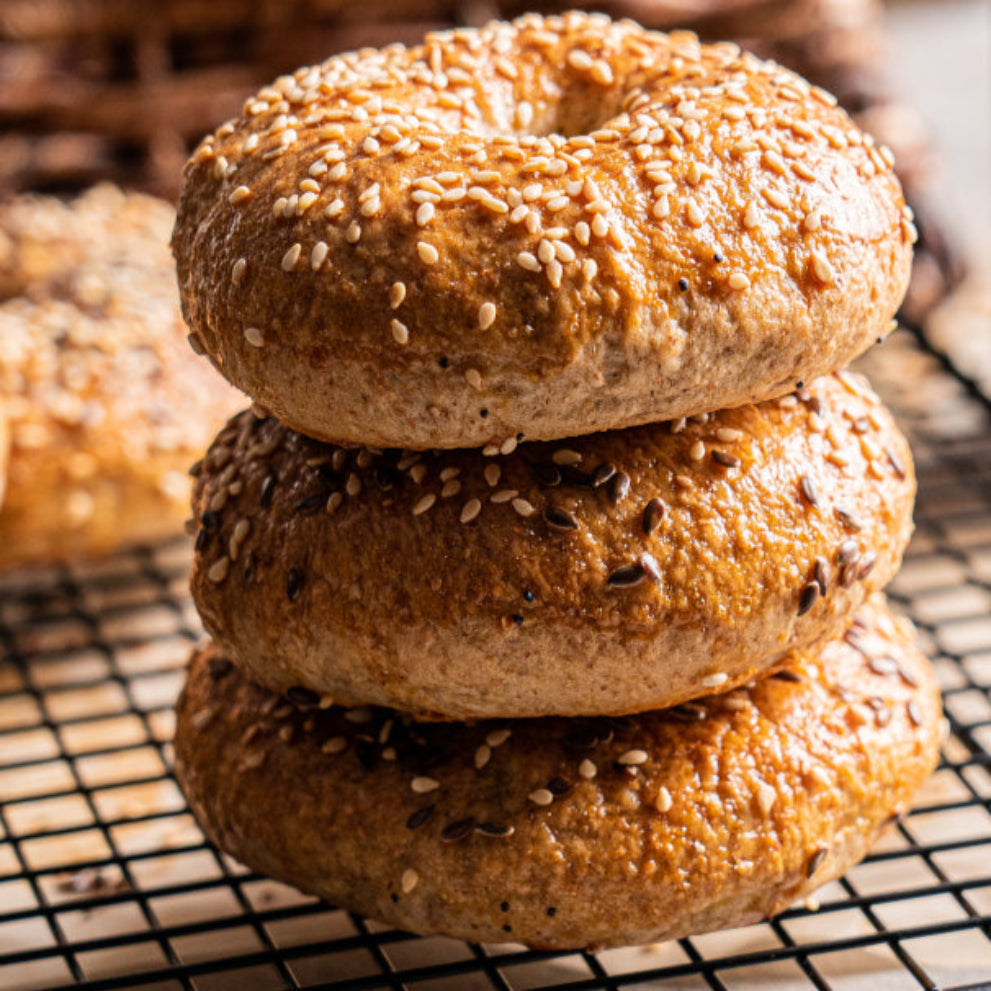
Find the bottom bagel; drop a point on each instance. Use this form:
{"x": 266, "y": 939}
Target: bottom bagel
{"x": 567, "y": 833}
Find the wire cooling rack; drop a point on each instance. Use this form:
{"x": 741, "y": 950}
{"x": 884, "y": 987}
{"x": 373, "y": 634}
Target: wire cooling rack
{"x": 106, "y": 882}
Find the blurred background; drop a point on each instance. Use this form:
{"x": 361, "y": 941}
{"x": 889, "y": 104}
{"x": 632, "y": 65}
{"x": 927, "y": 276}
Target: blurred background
{"x": 111, "y": 89}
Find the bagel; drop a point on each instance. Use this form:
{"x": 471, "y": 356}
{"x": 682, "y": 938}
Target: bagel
{"x": 106, "y": 405}
{"x": 552, "y": 227}
{"x": 459, "y": 586}
{"x": 569, "y": 833}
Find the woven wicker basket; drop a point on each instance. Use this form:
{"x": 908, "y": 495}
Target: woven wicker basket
{"x": 113, "y": 89}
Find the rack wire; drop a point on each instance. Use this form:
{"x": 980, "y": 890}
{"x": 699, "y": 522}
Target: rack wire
{"x": 106, "y": 881}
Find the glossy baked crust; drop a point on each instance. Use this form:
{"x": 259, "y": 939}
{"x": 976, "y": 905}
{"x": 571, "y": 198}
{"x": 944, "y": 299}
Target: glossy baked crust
{"x": 570, "y": 833}
{"x": 457, "y": 585}
{"x": 551, "y": 227}
{"x": 106, "y": 405}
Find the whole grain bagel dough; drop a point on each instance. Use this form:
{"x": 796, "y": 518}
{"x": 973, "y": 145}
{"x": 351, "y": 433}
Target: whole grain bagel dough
{"x": 613, "y": 573}
{"x": 546, "y": 228}
{"x": 566, "y": 833}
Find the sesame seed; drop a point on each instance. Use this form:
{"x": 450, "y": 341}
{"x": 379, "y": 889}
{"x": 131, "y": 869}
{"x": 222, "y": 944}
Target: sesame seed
{"x": 254, "y": 337}
{"x": 334, "y": 208}
{"x": 427, "y": 252}
{"x": 497, "y": 737}
{"x": 528, "y": 261}
{"x": 715, "y": 680}
{"x": 697, "y": 451}
{"x": 492, "y": 473}
{"x": 822, "y": 269}
{"x": 503, "y": 495}
{"x": 694, "y": 214}
{"x": 523, "y": 507}
{"x": 728, "y": 434}
{"x": 474, "y": 378}
{"x": 318, "y": 255}
{"x": 424, "y": 214}
{"x": 486, "y": 315}
{"x": 409, "y": 880}
{"x": 482, "y": 756}
{"x": 738, "y": 282}
{"x": 423, "y": 785}
{"x": 541, "y": 796}
{"x": 397, "y": 294}
{"x": 335, "y": 745}
{"x": 424, "y": 503}
{"x": 633, "y": 758}
{"x": 663, "y": 802}
{"x": 508, "y": 445}
{"x": 290, "y": 258}
{"x": 353, "y": 484}
{"x": 812, "y": 221}
{"x": 238, "y": 195}
{"x": 766, "y": 797}
{"x": 219, "y": 570}
{"x": 566, "y": 456}
{"x": 353, "y": 234}
{"x": 776, "y": 198}
{"x": 661, "y": 208}
{"x": 600, "y": 226}
{"x": 587, "y": 769}
{"x": 400, "y": 332}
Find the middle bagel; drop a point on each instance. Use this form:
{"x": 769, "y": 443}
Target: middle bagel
{"x": 612, "y": 573}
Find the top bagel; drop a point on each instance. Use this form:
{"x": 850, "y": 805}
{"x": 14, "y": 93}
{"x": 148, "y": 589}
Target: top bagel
{"x": 545, "y": 228}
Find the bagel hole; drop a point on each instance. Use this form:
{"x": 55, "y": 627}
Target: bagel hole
{"x": 576, "y": 110}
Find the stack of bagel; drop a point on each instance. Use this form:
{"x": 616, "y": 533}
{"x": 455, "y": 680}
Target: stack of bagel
{"x": 543, "y": 576}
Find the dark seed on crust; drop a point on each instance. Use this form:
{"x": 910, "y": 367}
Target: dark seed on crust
{"x": 581, "y": 741}
{"x": 861, "y": 425}
{"x": 808, "y": 598}
{"x": 602, "y": 474}
{"x": 619, "y": 486}
{"x": 848, "y": 519}
{"x": 294, "y": 583}
{"x": 823, "y": 575}
{"x": 848, "y": 573}
{"x": 653, "y": 513}
{"x": 457, "y": 830}
{"x": 265, "y": 495}
{"x": 498, "y": 829}
{"x": 895, "y": 462}
{"x": 210, "y": 519}
{"x": 219, "y": 666}
{"x": 724, "y": 459}
{"x": 907, "y": 678}
{"x": 809, "y": 490}
{"x": 202, "y": 539}
{"x": 310, "y": 503}
{"x": 420, "y": 816}
{"x": 815, "y": 861}
{"x": 789, "y": 675}
{"x": 847, "y": 552}
{"x": 302, "y": 697}
{"x": 627, "y": 576}
{"x": 557, "y": 786}
{"x": 548, "y": 475}
{"x": 559, "y": 519}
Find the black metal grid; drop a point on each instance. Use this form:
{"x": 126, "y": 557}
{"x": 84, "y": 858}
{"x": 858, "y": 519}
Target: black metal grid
{"x": 106, "y": 882}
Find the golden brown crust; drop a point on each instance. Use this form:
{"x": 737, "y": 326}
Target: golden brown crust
{"x": 733, "y": 236}
{"x": 714, "y": 814}
{"x": 467, "y": 586}
{"x": 107, "y": 407}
